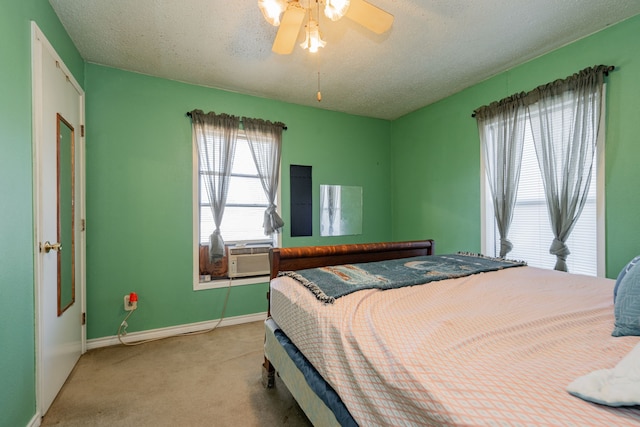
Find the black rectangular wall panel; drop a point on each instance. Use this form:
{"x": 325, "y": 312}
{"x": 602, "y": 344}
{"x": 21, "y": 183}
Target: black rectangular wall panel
{"x": 301, "y": 203}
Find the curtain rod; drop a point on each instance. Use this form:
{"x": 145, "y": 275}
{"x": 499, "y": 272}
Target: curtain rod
{"x": 606, "y": 73}
{"x": 189, "y": 115}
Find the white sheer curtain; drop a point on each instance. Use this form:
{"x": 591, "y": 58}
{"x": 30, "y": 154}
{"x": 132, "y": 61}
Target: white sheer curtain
{"x": 215, "y": 136}
{"x": 501, "y": 126}
{"x": 565, "y": 120}
{"x": 265, "y": 142}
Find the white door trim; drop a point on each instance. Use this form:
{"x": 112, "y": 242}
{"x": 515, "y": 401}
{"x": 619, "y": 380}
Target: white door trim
{"x": 39, "y": 42}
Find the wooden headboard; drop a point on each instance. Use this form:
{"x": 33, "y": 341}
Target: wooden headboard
{"x": 298, "y": 258}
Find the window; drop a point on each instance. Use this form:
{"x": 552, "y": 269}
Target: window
{"x": 530, "y": 230}
{"x": 246, "y": 202}
{"x": 242, "y": 222}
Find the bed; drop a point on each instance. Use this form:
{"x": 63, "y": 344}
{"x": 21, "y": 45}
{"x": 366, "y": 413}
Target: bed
{"x": 496, "y": 347}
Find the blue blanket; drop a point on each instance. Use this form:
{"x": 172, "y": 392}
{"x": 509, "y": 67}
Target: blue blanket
{"x": 329, "y": 283}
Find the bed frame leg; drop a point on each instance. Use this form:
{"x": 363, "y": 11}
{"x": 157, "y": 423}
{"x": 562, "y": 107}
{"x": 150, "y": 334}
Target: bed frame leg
{"x": 268, "y": 374}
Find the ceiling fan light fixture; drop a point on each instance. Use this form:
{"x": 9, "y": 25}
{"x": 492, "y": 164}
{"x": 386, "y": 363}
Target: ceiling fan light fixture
{"x": 272, "y": 9}
{"x": 336, "y": 9}
{"x": 313, "y": 39}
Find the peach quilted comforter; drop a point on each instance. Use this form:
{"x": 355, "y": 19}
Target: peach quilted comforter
{"x": 494, "y": 349}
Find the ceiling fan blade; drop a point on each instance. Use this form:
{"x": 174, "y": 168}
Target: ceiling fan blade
{"x": 289, "y": 29}
{"x": 369, "y": 16}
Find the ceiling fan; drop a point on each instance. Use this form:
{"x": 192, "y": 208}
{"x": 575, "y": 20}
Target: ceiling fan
{"x": 294, "y": 14}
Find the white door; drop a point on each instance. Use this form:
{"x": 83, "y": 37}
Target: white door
{"x": 58, "y": 110}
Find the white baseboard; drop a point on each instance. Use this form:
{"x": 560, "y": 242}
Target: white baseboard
{"x": 174, "y": 330}
{"x": 35, "y": 421}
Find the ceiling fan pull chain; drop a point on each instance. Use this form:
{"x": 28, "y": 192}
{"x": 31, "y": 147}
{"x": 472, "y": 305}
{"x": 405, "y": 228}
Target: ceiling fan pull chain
{"x": 319, "y": 94}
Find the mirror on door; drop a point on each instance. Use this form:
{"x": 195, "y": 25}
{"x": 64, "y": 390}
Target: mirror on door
{"x": 66, "y": 180}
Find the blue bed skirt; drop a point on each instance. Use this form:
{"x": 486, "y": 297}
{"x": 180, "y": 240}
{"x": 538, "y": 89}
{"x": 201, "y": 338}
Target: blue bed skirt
{"x": 314, "y": 380}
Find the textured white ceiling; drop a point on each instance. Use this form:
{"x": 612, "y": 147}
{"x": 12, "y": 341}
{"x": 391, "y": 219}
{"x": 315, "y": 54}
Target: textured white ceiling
{"x": 435, "y": 47}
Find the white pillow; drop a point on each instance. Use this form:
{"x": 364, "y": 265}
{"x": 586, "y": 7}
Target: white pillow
{"x": 619, "y": 386}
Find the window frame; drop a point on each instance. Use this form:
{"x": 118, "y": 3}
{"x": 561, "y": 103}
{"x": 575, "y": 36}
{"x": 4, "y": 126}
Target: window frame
{"x": 226, "y": 282}
{"x": 487, "y": 220}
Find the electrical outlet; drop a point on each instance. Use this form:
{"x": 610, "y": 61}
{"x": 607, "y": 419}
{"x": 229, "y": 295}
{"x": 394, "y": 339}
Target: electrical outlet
{"x": 128, "y": 305}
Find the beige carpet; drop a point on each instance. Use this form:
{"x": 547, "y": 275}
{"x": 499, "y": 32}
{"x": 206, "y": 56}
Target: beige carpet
{"x": 212, "y": 379}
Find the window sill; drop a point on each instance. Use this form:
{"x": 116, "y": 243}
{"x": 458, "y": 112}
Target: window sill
{"x": 223, "y": 283}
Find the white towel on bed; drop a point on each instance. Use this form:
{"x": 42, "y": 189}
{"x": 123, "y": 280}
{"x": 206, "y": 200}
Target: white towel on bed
{"x": 619, "y": 386}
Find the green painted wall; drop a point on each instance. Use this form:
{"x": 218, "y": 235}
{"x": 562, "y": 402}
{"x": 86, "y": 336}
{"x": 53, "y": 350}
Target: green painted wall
{"x": 17, "y": 334}
{"x": 436, "y": 150}
{"x": 139, "y": 180}
{"x": 139, "y": 209}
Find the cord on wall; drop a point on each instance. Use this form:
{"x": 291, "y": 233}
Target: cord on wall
{"x": 122, "y": 329}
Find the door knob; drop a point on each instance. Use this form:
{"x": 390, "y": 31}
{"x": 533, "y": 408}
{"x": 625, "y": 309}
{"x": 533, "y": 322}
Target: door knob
{"x": 51, "y": 246}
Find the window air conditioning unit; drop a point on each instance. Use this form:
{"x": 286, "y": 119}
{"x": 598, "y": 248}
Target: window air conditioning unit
{"x": 249, "y": 261}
